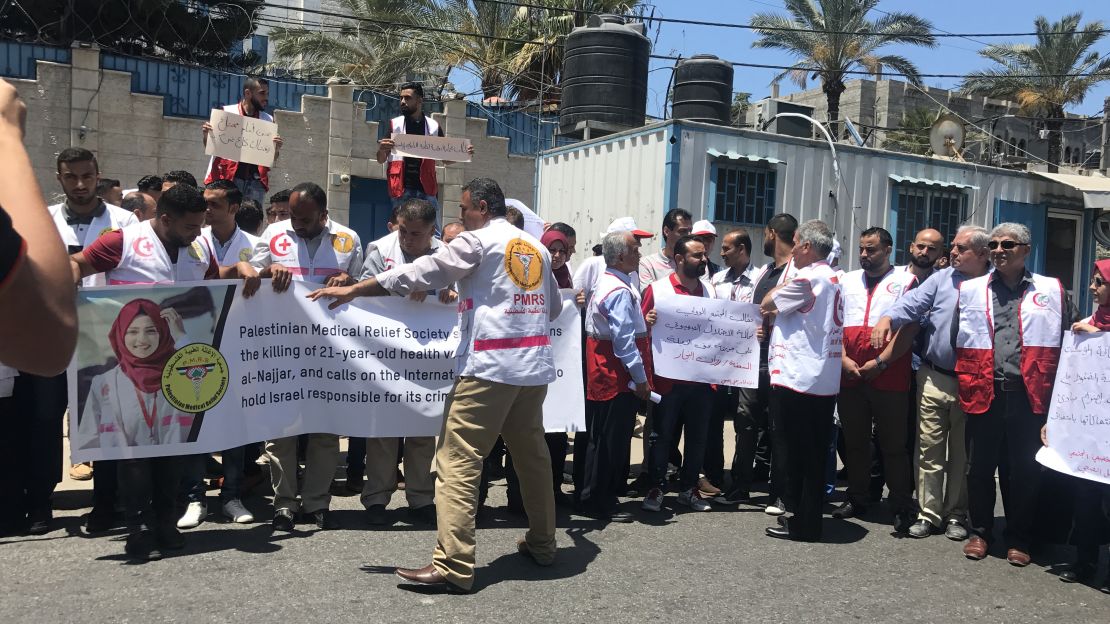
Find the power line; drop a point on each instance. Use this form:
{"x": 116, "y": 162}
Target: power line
{"x": 942, "y": 34}
{"x": 654, "y": 56}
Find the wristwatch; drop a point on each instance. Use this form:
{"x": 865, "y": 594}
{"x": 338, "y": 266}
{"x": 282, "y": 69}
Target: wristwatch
{"x": 880, "y": 363}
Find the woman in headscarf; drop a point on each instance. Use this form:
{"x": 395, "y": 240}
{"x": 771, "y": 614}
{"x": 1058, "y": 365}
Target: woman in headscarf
{"x": 125, "y": 405}
{"x": 1091, "y": 513}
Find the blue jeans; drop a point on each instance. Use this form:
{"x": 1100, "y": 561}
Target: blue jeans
{"x": 410, "y": 193}
{"x": 192, "y": 481}
{"x": 251, "y": 189}
{"x": 686, "y": 407}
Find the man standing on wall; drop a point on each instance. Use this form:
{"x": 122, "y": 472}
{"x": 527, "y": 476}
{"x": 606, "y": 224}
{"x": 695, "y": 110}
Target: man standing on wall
{"x": 411, "y": 177}
{"x": 253, "y": 180}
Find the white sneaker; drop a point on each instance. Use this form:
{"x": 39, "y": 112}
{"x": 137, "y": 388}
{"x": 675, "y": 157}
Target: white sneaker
{"x": 195, "y": 513}
{"x": 236, "y": 512}
{"x": 692, "y": 499}
{"x": 653, "y": 501}
{"x": 775, "y": 509}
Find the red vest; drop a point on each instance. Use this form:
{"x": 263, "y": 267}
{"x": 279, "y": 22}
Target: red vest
{"x": 395, "y": 165}
{"x": 862, "y": 309}
{"x": 223, "y": 169}
{"x": 605, "y": 374}
{"x": 1041, "y": 317}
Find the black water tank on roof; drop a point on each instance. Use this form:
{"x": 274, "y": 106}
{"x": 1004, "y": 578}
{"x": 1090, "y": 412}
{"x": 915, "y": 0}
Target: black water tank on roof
{"x": 605, "y": 77}
{"x": 703, "y": 90}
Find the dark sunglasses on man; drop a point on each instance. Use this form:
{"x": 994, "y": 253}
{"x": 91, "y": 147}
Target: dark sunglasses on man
{"x": 1006, "y": 245}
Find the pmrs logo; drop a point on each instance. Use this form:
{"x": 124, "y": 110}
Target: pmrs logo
{"x": 195, "y": 378}
{"x": 196, "y": 251}
{"x": 1040, "y": 300}
{"x": 343, "y": 243}
{"x": 894, "y": 288}
{"x": 245, "y": 254}
{"x": 524, "y": 264}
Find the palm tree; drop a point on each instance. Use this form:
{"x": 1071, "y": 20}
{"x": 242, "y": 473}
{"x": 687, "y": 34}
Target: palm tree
{"x": 374, "y": 47}
{"x": 1046, "y": 77}
{"x": 814, "y": 33}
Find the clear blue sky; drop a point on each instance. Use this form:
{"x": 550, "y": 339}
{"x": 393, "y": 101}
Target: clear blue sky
{"x": 951, "y": 56}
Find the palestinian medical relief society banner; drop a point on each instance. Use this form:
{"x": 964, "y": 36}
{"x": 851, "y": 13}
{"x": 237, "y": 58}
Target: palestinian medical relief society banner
{"x": 707, "y": 340}
{"x": 195, "y": 368}
{"x": 1079, "y": 416}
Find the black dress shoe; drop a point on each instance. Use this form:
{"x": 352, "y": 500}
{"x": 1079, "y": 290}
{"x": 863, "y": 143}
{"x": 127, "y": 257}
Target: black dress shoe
{"x": 169, "y": 538}
{"x": 622, "y": 517}
{"x": 98, "y": 521}
{"x": 780, "y": 532}
{"x": 903, "y": 520}
{"x": 848, "y": 509}
{"x": 376, "y": 515}
{"x": 1078, "y": 573}
{"x": 142, "y": 546}
{"x": 423, "y": 515}
{"x": 430, "y": 577}
{"x": 39, "y": 526}
{"x": 283, "y": 520}
{"x": 323, "y": 520}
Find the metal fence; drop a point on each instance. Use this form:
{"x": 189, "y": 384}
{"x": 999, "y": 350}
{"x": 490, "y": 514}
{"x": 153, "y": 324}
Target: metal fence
{"x": 17, "y": 60}
{"x": 194, "y": 91}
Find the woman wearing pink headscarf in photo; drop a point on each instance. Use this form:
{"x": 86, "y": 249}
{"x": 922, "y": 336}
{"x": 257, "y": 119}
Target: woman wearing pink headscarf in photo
{"x": 125, "y": 405}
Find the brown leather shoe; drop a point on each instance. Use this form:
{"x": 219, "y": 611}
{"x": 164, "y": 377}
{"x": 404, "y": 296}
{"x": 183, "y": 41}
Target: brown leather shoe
{"x": 1018, "y": 558}
{"x": 707, "y": 488}
{"x": 522, "y": 548}
{"x": 975, "y": 548}
{"x": 429, "y": 576}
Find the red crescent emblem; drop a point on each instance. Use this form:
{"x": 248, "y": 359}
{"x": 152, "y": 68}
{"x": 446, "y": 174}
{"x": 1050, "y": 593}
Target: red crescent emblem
{"x": 1040, "y": 300}
{"x": 894, "y": 288}
{"x": 838, "y": 310}
{"x": 280, "y": 244}
{"x": 142, "y": 247}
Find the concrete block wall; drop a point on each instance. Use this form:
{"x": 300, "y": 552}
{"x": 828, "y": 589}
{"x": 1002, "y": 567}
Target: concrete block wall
{"x": 327, "y": 139}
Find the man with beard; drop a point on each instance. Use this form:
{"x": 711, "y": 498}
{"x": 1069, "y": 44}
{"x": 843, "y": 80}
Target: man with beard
{"x": 253, "y": 180}
{"x": 686, "y": 405}
{"x": 411, "y": 177}
{"x": 874, "y": 388}
{"x": 925, "y": 249}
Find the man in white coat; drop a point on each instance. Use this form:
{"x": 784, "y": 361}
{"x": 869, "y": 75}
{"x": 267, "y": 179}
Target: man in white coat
{"x": 508, "y": 299}
{"x": 308, "y": 247}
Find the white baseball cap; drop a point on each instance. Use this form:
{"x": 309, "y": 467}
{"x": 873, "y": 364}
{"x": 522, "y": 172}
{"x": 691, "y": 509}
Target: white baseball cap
{"x": 627, "y": 224}
{"x": 703, "y": 228}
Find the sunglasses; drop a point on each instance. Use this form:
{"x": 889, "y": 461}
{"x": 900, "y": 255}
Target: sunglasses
{"x": 1006, "y": 245}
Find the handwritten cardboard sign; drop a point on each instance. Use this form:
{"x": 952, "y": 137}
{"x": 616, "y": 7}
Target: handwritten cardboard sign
{"x": 242, "y": 139}
{"x": 433, "y": 147}
{"x": 707, "y": 340}
{"x": 1079, "y": 415}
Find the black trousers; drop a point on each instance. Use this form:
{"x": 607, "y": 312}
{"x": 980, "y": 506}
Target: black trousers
{"x": 724, "y": 407}
{"x": 607, "y": 450}
{"x": 105, "y": 486}
{"x": 30, "y": 449}
{"x": 149, "y": 489}
{"x": 755, "y": 427}
{"x": 1004, "y": 438}
{"x": 806, "y": 423}
{"x": 683, "y": 410}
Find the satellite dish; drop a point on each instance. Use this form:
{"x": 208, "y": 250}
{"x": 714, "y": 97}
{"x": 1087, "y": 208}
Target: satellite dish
{"x": 1101, "y": 228}
{"x": 946, "y": 137}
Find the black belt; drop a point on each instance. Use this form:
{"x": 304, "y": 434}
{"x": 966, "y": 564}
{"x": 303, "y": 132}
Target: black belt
{"x": 942, "y": 371}
{"x": 1007, "y": 385}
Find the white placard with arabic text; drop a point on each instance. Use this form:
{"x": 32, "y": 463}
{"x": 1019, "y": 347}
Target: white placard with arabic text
{"x": 241, "y": 139}
{"x": 433, "y": 147}
{"x": 707, "y": 340}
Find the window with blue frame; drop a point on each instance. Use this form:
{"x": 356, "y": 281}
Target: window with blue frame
{"x": 917, "y": 207}
{"x": 742, "y": 194}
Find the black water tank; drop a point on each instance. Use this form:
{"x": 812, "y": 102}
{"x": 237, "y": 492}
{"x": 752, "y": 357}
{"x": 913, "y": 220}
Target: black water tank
{"x": 605, "y": 77}
{"x": 703, "y": 90}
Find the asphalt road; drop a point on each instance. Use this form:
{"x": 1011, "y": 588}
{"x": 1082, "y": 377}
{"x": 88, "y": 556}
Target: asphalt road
{"x": 670, "y": 566}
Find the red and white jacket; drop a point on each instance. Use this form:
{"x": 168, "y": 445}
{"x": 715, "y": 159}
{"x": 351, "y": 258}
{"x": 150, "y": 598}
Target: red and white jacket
{"x": 806, "y": 345}
{"x": 862, "y": 309}
{"x": 145, "y": 260}
{"x": 395, "y": 165}
{"x": 605, "y": 374}
{"x": 1041, "y": 318}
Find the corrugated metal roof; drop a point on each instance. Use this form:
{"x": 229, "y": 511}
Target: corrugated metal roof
{"x": 928, "y": 182}
{"x": 1096, "y": 189}
{"x": 731, "y": 155}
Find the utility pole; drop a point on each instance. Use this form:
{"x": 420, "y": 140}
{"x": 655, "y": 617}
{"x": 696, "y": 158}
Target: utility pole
{"x": 1104, "y": 164}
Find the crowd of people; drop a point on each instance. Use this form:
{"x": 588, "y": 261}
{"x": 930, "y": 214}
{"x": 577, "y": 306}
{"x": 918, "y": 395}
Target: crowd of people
{"x": 924, "y": 379}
